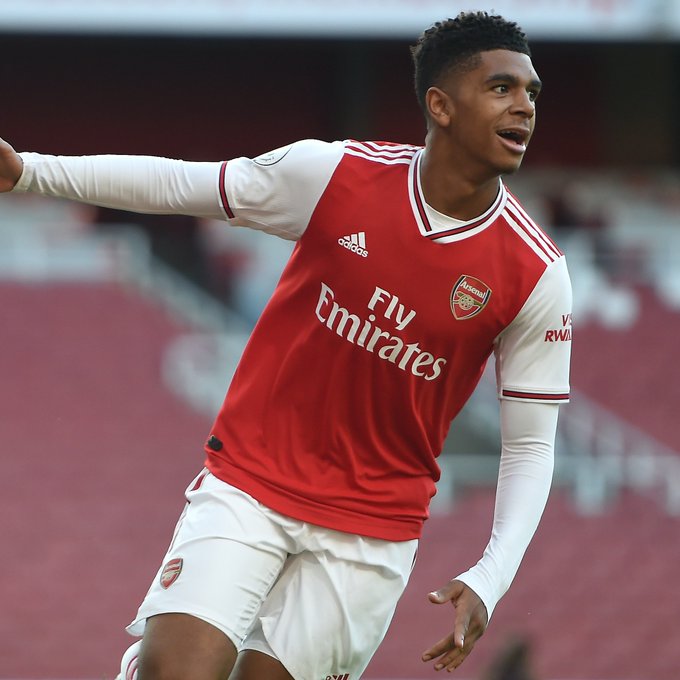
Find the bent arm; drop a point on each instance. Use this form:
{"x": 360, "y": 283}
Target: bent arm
{"x": 144, "y": 184}
{"x": 524, "y": 479}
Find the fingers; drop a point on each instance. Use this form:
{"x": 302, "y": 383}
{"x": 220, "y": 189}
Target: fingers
{"x": 444, "y": 646}
{"x": 451, "y": 651}
{"x": 11, "y": 166}
{"x": 448, "y": 654}
{"x": 470, "y": 620}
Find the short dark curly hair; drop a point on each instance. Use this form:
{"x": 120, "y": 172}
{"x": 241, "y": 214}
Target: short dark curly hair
{"x": 455, "y": 44}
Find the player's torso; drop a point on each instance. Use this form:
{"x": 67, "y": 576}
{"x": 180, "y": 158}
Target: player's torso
{"x": 373, "y": 281}
{"x": 372, "y": 342}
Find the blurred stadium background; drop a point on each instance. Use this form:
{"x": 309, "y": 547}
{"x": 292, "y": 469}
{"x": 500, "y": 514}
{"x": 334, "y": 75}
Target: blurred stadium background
{"x": 119, "y": 333}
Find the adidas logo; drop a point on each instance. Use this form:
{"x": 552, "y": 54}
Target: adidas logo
{"x": 355, "y": 242}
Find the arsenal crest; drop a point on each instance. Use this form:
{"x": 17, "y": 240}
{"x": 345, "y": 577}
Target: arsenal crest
{"x": 469, "y": 297}
{"x": 171, "y": 572}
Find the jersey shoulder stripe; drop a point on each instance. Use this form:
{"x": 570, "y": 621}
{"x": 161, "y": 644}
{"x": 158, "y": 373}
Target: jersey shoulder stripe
{"x": 522, "y": 214}
{"x": 382, "y": 147}
{"x": 530, "y": 233}
{"x": 381, "y": 152}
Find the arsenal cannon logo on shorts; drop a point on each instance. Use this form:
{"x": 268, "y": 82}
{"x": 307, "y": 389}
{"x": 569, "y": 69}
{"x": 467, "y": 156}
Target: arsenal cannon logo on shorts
{"x": 469, "y": 297}
{"x": 171, "y": 572}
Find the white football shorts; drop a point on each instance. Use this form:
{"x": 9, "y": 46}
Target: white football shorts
{"x": 318, "y": 600}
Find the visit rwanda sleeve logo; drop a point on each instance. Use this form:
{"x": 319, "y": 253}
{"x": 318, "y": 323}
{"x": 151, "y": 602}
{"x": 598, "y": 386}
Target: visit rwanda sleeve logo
{"x": 469, "y": 297}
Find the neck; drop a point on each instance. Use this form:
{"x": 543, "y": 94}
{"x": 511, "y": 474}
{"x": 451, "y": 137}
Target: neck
{"x": 451, "y": 190}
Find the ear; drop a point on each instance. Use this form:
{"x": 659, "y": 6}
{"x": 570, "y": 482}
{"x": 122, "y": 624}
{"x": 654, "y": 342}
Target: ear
{"x": 439, "y": 106}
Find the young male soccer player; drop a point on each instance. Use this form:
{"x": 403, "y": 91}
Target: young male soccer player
{"x": 412, "y": 265}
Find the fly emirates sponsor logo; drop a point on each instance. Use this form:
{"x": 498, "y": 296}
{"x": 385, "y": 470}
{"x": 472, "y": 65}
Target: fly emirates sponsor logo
{"x": 363, "y": 331}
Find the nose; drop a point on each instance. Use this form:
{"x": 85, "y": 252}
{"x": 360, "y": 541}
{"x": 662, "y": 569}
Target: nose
{"x": 524, "y": 104}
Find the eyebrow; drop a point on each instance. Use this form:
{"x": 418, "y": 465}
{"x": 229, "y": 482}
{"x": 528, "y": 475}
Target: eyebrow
{"x": 513, "y": 80}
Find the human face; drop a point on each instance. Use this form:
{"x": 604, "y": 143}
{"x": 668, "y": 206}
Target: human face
{"x": 492, "y": 112}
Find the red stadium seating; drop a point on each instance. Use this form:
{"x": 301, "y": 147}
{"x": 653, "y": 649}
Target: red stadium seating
{"x": 633, "y": 371}
{"x": 96, "y": 456}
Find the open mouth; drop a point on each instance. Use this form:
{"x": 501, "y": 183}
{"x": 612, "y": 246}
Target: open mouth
{"x": 515, "y": 139}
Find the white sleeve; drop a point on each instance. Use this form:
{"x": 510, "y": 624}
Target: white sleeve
{"x": 533, "y": 352}
{"x": 524, "y": 479}
{"x": 145, "y": 184}
{"x": 278, "y": 191}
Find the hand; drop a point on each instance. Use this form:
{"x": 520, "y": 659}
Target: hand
{"x": 11, "y": 166}
{"x": 470, "y": 623}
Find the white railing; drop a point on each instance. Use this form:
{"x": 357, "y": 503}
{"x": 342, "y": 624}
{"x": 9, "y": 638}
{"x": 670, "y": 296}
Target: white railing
{"x": 601, "y": 454}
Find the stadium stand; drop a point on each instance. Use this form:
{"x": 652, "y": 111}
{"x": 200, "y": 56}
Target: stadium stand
{"x": 96, "y": 454}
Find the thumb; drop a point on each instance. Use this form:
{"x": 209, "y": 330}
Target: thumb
{"x": 447, "y": 593}
{"x": 436, "y": 597}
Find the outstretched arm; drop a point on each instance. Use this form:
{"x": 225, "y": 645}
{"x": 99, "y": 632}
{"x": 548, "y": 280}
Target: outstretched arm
{"x": 11, "y": 167}
{"x": 524, "y": 479}
{"x": 276, "y": 196}
{"x": 146, "y": 184}
{"x": 143, "y": 184}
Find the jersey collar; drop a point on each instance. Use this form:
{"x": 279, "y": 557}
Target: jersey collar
{"x": 442, "y": 228}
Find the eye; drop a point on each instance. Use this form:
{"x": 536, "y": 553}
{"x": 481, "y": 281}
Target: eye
{"x": 501, "y": 89}
{"x": 533, "y": 94}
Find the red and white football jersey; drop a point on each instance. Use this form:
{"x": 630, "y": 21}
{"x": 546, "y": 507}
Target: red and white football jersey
{"x": 378, "y": 332}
